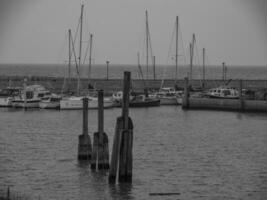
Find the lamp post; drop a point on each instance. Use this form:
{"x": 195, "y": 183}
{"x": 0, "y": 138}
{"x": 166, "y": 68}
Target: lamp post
{"x": 107, "y": 68}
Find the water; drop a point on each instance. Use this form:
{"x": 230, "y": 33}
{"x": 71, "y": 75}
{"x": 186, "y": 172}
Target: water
{"x": 116, "y": 71}
{"x": 200, "y": 154}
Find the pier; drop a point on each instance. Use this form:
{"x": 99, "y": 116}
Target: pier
{"x": 240, "y": 104}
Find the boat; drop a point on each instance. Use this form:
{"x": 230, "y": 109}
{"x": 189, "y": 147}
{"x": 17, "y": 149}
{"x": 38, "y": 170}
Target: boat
{"x": 76, "y": 103}
{"x": 50, "y": 102}
{"x": 223, "y": 93}
{"x": 136, "y": 100}
{"x": 7, "y": 95}
{"x": 168, "y": 96}
{"x": 143, "y": 101}
{"x": 30, "y": 97}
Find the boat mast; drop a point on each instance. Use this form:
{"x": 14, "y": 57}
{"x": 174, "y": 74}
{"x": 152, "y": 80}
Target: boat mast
{"x": 69, "y": 60}
{"x": 192, "y": 56}
{"x": 80, "y": 50}
{"x": 154, "y": 67}
{"x": 140, "y": 69}
{"x": 90, "y": 59}
{"x": 147, "y": 45}
{"x": 176, "y": 50}
{"x": 203, "y": 70}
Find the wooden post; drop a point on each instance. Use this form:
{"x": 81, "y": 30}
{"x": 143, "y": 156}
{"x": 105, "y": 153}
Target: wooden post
{"x": 123, "y": 140}
{"x": 240, "y": 95}
{"x": 107, "y": 68}
{"x": 8, "y": 194}
{"x": 100, "y": 157}
{"x": 85, "y": 147}
{"x": 25, "y": 93}
{"x": 185, "y": 103}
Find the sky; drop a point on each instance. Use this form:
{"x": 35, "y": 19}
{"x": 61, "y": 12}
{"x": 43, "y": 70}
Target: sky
{"x": 231, "y": 31}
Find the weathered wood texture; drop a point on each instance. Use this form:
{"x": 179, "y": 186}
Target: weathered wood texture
{"x": 85, "y": 146}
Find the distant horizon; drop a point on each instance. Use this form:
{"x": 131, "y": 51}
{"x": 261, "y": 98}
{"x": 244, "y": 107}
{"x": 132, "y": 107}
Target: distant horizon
{"x": 135, "y": 64}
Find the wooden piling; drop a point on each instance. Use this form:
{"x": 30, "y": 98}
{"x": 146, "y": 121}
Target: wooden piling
{"x": 85, "y": 147}
{"x": 185, "y": 103}
{"x": 100, "y": 157}
{"x": 25, "y": 93}
{"x": 8, "y": 194}
{"x": 123, "y": 140}
{"x": 240, "y": 95}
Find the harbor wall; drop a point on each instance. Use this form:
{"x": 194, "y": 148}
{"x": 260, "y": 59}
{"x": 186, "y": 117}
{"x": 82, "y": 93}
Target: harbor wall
{"x": 227, "y": 104}
{"x": 55, "y": 84}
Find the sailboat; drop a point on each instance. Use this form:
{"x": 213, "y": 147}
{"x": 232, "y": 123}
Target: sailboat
{"x": 168, "y": 95}
{"x": 76, "y": 102}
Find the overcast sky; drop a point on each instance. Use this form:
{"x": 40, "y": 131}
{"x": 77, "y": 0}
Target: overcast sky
{"x": 35, "y": 31}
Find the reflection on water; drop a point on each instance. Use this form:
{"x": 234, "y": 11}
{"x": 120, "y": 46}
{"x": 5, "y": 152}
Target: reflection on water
{"x": 200, "y": 154}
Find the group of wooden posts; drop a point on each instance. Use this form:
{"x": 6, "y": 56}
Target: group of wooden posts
{"x": 98, "y": 156}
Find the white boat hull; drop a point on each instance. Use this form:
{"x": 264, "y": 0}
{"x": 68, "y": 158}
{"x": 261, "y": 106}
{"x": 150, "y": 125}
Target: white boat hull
{"x": 6, "y": 102}
{"x": 179, "y": 100}
{"x": 77, "y": 103}
{"x": 27, "y": 104}
{"x": 49, "y": 105}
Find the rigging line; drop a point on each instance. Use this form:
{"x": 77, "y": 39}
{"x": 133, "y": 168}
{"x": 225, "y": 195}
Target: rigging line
{"x": 150, "y": 44}
{"x": 77, "y": 29}
{"x": 75, "y": 58}
{"x": 167, "y": 59}
{"x": 86, "y": 51}
{"x": 61, "y": 49}
{"x": 180, "y": 33}
{"x": 198, "y": 60}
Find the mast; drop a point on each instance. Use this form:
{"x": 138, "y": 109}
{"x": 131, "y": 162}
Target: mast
{"x": 69, "y": 65}
{"x": 90, "y": 58}
{"x": 154, "y": 67}
{"x": 223, "y": 69}
{"x": 191, "y": 62}
{"x": 176, "y": 50}
{"x": 147, "y": 45}
{"x": 203, "y": 70}
{"x": 192, "y": 56}
{"x": 80, "y": 50}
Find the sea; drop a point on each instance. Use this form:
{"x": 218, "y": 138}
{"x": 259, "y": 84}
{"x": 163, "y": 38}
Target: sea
{"x": 116, "y": 71}
{"x": 192, "y": 154}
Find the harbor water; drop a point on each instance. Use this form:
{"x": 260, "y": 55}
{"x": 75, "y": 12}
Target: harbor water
{"x": 199, "y": 154}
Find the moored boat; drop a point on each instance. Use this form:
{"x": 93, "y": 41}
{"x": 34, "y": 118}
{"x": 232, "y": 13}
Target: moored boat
{"x": 30, "y": 97}
{"x": 223, "y": 93}
{"x": 7, "y": 95}
{"x": 76, "y": 103}
{"x": 52, "y": 102}
{"x": 168, "y": 96}
{"x": 143, "y": 101}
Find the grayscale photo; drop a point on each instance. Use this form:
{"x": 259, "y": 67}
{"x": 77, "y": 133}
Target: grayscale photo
{"x": 133, "y": 99}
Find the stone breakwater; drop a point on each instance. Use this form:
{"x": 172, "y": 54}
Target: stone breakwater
{"x": 56, "y": 84}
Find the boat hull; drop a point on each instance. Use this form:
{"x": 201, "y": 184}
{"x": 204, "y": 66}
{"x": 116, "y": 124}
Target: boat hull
{"x": 27, "y": 104}
{"x": 49, "y": 105}
{"x": 6, "y": 102}
{"x": 168, "y": 101}
{"x": 77, "y": 104}
{"x": 147, "y": 103}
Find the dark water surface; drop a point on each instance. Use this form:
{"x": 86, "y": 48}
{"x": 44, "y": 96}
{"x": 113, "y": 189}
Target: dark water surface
{"x": 200, "y": 154}
{"x": 116, "y": 71}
